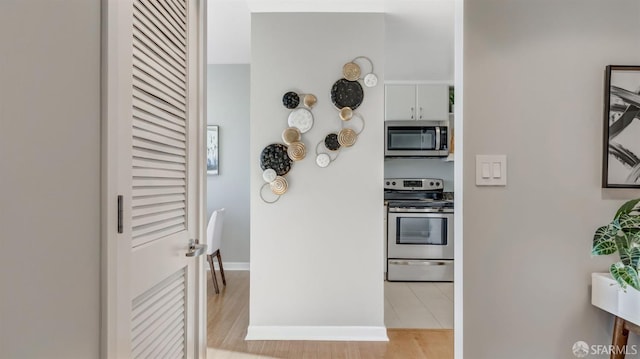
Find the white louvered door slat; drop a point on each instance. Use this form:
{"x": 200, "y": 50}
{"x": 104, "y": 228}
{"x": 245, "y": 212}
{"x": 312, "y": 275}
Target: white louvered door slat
{"x": 154, "y": 52}
{"x": 162, "y": 10}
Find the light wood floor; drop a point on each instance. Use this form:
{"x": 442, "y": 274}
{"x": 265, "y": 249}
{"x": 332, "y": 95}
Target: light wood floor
{"x": 228, "y": 318}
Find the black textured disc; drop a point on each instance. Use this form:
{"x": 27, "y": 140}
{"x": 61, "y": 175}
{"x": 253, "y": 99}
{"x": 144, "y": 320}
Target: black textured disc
{"x": 345, "y": 93}
{"x": 331, "y": 142}
{"x": 291, "y": 100}
{"x": 275, "y": 157}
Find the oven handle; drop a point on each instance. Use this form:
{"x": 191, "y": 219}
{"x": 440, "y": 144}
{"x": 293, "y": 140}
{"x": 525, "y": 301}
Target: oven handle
{"x": 416, "y": 263}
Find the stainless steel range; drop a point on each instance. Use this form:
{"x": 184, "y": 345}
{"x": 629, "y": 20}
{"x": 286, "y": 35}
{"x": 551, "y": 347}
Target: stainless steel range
{"x": 419, "y": 230}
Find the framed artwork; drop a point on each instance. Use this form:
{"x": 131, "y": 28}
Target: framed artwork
{"x": 621, "y": 147}
{"x": 212, "y": 150}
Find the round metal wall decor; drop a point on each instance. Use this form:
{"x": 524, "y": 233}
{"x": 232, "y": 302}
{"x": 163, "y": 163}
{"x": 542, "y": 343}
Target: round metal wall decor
{"x": 351, "y": 71}
{"x": 290, "y": 100}
{"x": 347, "y": 137}
{"x": 301, "y": 118}
{"x": 269, "y": 175}
{"x": 371, "y": 80}
{"x": 275, "y": 157}
{"x": 279, "y": 186}
{"x": 297, "y": 151}
{"x": 290, "y": 135}
{"x": 331, "y": 142}
{"x": 345, "y": 93}
{"x": 310, "y": 100}
{"x": 346, "y": 113}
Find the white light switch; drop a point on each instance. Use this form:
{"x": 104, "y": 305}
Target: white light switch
{"x": 497, "y": 173}
{"x": 491, "y": 170}
{"x": 485, "y": 171}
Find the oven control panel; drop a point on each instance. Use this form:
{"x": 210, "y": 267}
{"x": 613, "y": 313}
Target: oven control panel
{"x": 414, "y": 184}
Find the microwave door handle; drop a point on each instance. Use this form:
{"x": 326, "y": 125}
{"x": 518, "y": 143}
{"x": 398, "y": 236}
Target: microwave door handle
{"x": 437, "y": 138}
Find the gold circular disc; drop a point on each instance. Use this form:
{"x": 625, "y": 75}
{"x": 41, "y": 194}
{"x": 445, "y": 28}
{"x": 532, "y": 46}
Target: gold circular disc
{"x": 346, "y": 113}
{"x": 351, "y": 71}
{"x": 291, "y": 135}
{"x": 347, "y": 137}
{"x": 310, "y": 100}
{"x": 296, "y": 151}
{"x": 279, "y": 185}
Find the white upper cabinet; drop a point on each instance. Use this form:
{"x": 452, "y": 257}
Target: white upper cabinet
{"x": 417, "y": 102}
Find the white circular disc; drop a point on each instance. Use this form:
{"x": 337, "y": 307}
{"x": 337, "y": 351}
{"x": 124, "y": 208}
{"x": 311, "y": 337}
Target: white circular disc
{"x": 370, "y": 80}
{"x": 323, "y": 160}
{"x": 269, "y": 175}
{"x": 301, "y": 118}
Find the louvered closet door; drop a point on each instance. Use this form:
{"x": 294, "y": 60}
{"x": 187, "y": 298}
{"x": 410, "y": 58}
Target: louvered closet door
{"x": 158, "y": 135}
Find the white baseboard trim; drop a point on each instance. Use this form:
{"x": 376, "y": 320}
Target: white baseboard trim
{"x": 228, "y": 266}
{"x": 369, "y": 334}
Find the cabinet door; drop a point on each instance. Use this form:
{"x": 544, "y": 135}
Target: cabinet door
{"x": 400, "y": 102}
{"x": 433, "y": 102}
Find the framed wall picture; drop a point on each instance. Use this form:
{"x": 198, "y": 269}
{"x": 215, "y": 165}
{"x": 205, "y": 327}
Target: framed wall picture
{"x": 213, "y": 162}
{"x": 621, "y": 147}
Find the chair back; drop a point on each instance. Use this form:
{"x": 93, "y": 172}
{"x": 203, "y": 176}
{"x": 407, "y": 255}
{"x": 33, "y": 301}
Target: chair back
{"x": 214, "y": 230}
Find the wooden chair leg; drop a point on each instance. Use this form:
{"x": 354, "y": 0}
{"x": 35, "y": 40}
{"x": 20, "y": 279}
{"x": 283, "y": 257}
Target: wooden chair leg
{"x": 224, "y": 281}
{"x": 620, "y": 337}
{"x": 213, "y": 273}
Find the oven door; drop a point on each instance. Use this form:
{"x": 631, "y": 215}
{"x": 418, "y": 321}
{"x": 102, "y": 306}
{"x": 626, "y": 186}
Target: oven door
{"x": 420, "y": 235}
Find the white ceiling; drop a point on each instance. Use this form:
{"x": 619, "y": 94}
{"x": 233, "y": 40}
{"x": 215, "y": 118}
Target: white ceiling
{"x": 419, "y": 33}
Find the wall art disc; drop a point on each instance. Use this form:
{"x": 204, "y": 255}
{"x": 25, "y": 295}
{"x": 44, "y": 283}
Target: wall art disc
{"x": 279, "y": 185}
{"x": 346, "y": 113}
{"x": 297, "y": 151}
{"x": 371, "y": 80}
{"x": 301, "y": 118}
{"x": 323, "y": 160}
{"x": 290, "y": 135}
{"x": 347, "y": 137}
{"x": 351, "y": 71}
{"x": 345, "y": 93}
{"x": 310, "y": 100}
{"x": 269, "y": 175}
{"x": 331, "y": 142}
{"x": 275, "y": 157}
{"x": 291, "y": 100}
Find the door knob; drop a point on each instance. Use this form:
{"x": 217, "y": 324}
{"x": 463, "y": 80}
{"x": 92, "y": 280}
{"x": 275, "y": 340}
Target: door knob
{"x": 196, "y": 249}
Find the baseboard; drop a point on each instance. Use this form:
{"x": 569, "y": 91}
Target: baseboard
{"x": 229, "y": 266}
{"x": 369, "y": 334}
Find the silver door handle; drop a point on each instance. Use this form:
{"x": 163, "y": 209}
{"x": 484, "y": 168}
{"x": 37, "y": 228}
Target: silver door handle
{"x": 196, "y": 249}
{"x": 412, "y": 113}
{"x": 421, "y": 113}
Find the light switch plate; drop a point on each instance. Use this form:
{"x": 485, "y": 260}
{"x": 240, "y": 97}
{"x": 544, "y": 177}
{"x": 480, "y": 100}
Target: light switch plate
{"x": 491, "y": 170}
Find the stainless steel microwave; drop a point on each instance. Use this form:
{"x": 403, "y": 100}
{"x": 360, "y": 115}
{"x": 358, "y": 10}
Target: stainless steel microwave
{"x": 416, "y": 138}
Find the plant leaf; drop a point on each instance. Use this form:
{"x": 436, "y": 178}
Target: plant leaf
{"x": 634, "y": 238}
{"x": 634, "y": 254}
{"x": 629, "y": 222}
{"x": 625, "y": 275}
{"x": 604, "y": 248}
{"x": 605, "y": 233}
{"x": 621, "y": 242}
{"x": 627, "y": 207}
{"x": 625, "y": 256}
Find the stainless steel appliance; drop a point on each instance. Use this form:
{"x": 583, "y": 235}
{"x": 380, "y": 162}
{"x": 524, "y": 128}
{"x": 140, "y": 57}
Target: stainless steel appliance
{"x": 416, "y": 138}
{"x": 419, "y": 230}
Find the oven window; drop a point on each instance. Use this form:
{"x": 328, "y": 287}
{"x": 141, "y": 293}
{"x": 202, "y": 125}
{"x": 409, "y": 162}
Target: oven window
{"x": 421, "y": 230}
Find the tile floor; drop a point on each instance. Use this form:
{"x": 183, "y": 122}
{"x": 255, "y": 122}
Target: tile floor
{"x": 426, "y": 305}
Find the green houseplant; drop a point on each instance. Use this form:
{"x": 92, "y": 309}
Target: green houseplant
{"x": 622, "y": 235}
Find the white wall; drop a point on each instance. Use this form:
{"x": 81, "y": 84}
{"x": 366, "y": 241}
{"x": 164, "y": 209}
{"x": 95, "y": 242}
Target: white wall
{"x": 228, "y": 107}
{"x": 50, "y": 178}
{"x": 419, "y": 40}
{"x": 315, "y": 254}
{"x": 533, "y": 90}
